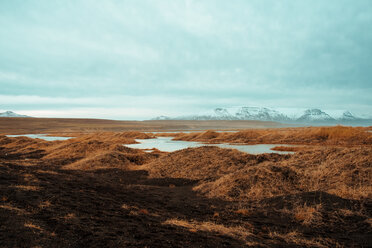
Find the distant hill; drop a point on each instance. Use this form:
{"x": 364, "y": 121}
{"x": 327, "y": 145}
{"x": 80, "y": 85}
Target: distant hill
{"x": 12, "y": 114}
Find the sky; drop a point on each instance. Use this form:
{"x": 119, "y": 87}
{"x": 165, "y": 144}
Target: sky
{"x": 124, "y": 59}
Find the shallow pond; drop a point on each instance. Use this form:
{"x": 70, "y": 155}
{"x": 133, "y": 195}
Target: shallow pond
{"x": 41, "y": 136}
{"x": 166, "y": 144}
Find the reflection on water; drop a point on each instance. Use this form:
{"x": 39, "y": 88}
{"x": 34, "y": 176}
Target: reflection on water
{"x": 41, "y": 136}
{"x": 168, "y": 145}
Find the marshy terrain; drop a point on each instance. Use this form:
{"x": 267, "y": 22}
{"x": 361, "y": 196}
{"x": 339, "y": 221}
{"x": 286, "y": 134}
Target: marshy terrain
{"x": 93, "y": 191}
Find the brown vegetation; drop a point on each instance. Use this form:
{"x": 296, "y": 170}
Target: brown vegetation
{"x": 290, "y": 148}
{"x": 111, "y": 158}
{"x": 338, "y": 135}
{"x": 308, "y": 214}
{"x": 63, "y": 125}
{"x": 103, "y": 150}
{"x": 86, "y": 152}
{"x": 204, "y": 163}
{"x": 93, "y": 191}
{"x": 238, "y": 232}
{"x": 229, "y": 174}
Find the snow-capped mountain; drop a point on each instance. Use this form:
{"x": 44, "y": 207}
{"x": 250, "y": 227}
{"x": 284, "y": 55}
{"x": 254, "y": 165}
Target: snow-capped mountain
{"x": 270, "y": 114}
{"x": 239, "y": 113}
{"x": 315, "y": 115}
{"x": 348, "y": 116}
{"x": 11, "y": 114}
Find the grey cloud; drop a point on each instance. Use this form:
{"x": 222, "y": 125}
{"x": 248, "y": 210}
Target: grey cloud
{"x": 242, "y": 51}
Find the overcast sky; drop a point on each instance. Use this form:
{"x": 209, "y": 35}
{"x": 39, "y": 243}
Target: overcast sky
{"x": 138, "y": 59}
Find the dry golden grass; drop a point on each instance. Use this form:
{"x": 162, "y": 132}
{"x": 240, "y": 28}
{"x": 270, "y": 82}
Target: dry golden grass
{"x": 127, "y": 207}
{"x": 238, "y": 232}
{"x": 345, "y": 172}
{"x": 225, "y": 173}
{"x": 337, "y": 135}
{"x": 22, "y": 145}
{"x": 69, "y": 216}
{"x": 9, "y": 207}
{"x": 308, "y": 215}
{"x": 204, "y": 163}
{"x": 30, "y": 178}
{"x": 33, "y": 226}
{"x": 294, "y": 237}
{"x": 114, "y": 157}
{"x": 36, "y": 228}
{"x": 91, "y": 151}
{"x": 104, "y": 160}
{"x": 233, "y": 175}
{"x": 352, "y": 192}
{"x": 76, "y": 148}
{"x": 144, "y": 211}
{"x": 47, "y": 172}
{"x": 45, "y": 204}
{"x": 289, "y": 148}
{"x": 258, "y": 181}
{"x": 244, "y": 211}
{"x": 86, "y": 152}
{"x": 136, "y": 211}
{"x": 27, "y": 187}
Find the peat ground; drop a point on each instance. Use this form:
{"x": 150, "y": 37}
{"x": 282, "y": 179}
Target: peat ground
{"x": 44, "y": 205}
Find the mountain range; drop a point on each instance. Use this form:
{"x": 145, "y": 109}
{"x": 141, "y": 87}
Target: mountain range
{"x": 308, "y": 116}
{"x": 311, "y": 116}
{"x": 11, "y": 114}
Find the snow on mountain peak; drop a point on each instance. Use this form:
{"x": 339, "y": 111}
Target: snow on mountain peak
{"x": 221, "y": 112}
{"x": 315, "y": 115}
{"x": 11, "y": 114}
{"x": 347, "y": 115}
{"x": 284, "y": 115}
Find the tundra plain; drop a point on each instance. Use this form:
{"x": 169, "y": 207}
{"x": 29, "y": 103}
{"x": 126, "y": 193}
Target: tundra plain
{"x": 93, "y": 191}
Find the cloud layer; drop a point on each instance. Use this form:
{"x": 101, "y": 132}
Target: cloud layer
{"x": 160, "y": 56}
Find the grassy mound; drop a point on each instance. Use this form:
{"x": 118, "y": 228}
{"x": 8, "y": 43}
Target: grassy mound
{"x": 76, "y": 149}
{"x": 110, "y": 159}
{"x": 345, "y": 172}
{"x": 205, "y": 163}
{"x": 22, "y": 147}
{"x": 253, "y": 182}
{"x": 233, "y": 175}
{"x": 93, "y": 154}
